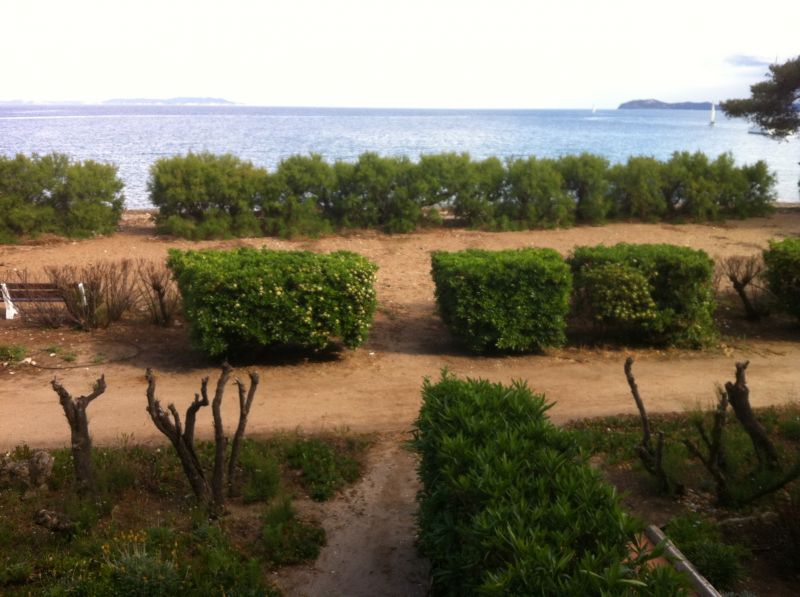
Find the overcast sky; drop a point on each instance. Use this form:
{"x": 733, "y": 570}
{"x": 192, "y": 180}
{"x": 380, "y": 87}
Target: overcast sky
{"x": 409, "y": 53}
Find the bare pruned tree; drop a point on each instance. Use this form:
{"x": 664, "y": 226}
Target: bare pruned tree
{"x": 81, "y": 443}
{"x": 182, "y": 436}
{"x": 652, "y": 457}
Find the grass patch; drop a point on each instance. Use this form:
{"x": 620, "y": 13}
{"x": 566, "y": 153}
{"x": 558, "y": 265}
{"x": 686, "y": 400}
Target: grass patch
{"x": 12, "y": 353}
{"x": 143, "y": 534}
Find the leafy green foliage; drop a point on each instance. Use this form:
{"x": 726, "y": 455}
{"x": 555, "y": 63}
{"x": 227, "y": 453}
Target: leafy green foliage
{"x": 53, "y": 193}
{"x": 138, "y": 535}
{"x": 248, "y": 297}
{"x": 586, "y": 180}
{"x": 12, "y": 353}
{"x": 782, "y": 259}
{"x": 536, "y": 195}
{"x": 503, "y": 300}
{"x": 324, "y": 470}
{"x": 202, "y": 195}
{"x": 658, "y": 294}
{"x": 210, "y": 196}
{"x": 509, "y": 507}
{"x": 772, "y": 104}
{"x": 636, "y": 189}
{"x": 701, "y": 542}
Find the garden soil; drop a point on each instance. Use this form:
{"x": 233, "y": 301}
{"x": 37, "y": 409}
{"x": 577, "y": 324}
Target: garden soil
{"x": 375, "y": 389}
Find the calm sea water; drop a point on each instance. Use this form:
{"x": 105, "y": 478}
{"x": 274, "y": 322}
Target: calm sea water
{"x": 133, "y": 137}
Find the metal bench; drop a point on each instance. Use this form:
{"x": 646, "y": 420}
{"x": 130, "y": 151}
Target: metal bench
{"x": 31, "y": 292}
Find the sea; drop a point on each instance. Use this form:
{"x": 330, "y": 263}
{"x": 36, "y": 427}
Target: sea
{"x": 134, "y": 137}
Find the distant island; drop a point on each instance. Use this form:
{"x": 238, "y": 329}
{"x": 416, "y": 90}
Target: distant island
{"x": 173, "y": 101}
{"x": 654, "y": 104}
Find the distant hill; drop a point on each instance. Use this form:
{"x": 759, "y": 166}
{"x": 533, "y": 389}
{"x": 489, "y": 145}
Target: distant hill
{"x": 173, "y": 101}
{"x": 654, "y": 104}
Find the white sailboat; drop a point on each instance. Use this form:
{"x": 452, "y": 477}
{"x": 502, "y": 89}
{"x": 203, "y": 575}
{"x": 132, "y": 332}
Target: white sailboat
{"x": 713, "y": 120}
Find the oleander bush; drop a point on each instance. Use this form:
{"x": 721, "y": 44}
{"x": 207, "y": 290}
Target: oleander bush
{"x": 515, "y": 300}
{"x": 208, "y": 196}
{"x": 656, "y": 294}
{"x": 509, "y": 506}
{"x": 54, "y": 194}
{"x": 261, "y": 298}
{"x": 782, "y": 259}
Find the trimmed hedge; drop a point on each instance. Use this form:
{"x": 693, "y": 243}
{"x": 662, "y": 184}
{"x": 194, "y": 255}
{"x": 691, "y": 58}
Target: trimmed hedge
{"x": 508, "y": 505}
{"x": 250, "y": 297}
{"x": 514, "y": 300}
{"x": 54, "y": 194}
{"x": 658, "y": 294}
{"x": 783, "y": 272}
{"x": 205, "y": 195}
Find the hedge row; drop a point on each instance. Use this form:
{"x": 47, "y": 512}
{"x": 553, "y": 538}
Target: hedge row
{"x": 658, "y": 294}
{"x": 519, "y": 300}
{"x": 53, "y": 194}
{"x": 205, "y": 195}
{"x": 235, "y": 300}
{"x": 783, "y": 272}
{"x": 513, "y": 300}
{"x": 508, "y": 506}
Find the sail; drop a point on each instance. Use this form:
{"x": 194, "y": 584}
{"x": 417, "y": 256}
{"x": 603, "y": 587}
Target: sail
{"x": 713, "y": 115}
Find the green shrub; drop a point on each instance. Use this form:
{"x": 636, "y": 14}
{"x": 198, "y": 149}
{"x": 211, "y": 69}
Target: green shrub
{"x": 702, "y": 544}
{"x": 506, "y": 300}
{"x": 249, "y": 297}
{"x": 215, "y": 194}
{"x": 536, "y": 195}
{"x": 509, "y": 507}
{"x": 54, "y": 194}
{"x": 477, "y": 208}
{"x": 299, "y": 196}
{"x": 586, "y": 180}
{"x": 658, "y": 294}
{"x": 636, "y": 189}
{"x": 782, "y": 259}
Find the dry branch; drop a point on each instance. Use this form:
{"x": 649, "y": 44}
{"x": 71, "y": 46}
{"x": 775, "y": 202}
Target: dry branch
{"x": 652, "y": 458}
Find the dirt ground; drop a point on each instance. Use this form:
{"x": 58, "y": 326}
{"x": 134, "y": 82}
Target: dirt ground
{"x": 377, "y": 387}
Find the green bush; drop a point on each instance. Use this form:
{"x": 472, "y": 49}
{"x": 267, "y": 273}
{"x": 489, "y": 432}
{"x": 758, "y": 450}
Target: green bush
{"x": 249, "y": 297}
{"x": 508, "y": 506}
{"x": 586, "y": 180}
{"x": 702, "y": 544}
{"x": 657, "y": 294}
{"x": 211, "y": 196}
{"x": 636, "y": 189}
{"x": 202, "y": 195}
{"x": 782, "y": 259}
{"x": 299, "y": 196}
{"x": 54, "y": 194}
{"x": 536, "y": 195}
{"x": 514, "y": 300}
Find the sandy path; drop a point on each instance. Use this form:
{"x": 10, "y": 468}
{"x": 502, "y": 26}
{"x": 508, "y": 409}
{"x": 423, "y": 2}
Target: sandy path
{"x": 377, "y": 387}
{"x": 370, "y": 531}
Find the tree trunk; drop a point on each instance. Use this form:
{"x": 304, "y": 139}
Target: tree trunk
{"x": 245, "y": 402}
{"x": 81, "y": 443}
{"x": 220, "y": 443}
{"x": 739, "y": 397}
